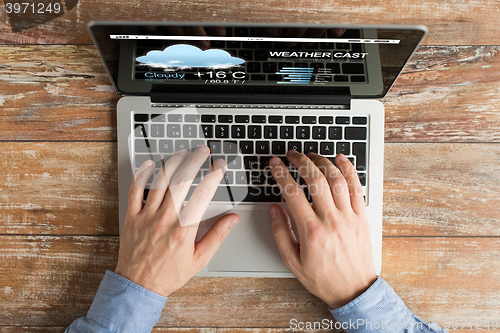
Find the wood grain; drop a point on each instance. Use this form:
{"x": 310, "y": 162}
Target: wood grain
{"x": 455, "y": 23}
{"x": 71, "y": 188}
{"x": 62, "y": 93}
{"x": 50, "y": 281}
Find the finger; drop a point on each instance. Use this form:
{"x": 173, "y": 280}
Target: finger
{"x": 210, "y": 242}
{"x": 317, "y": 184}
{"x": 198, "y": 31}
{"x": 336, "y": 180}
{"x": 179, "y": 185}
{"x": 218, "y": 31}
{"x": 161, "y": 181}
{"x": 354, "y": 185}
{"x": 136, "y": 191}
{"x": 285, "y": 238}
{"x": 203, "y": 194}
{"x": 299, "y": 207}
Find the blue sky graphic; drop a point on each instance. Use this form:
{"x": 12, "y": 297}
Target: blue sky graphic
{"x": 184, "y": 56}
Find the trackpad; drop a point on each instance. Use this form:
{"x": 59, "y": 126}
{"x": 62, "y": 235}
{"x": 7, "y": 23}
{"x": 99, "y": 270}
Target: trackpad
{"x": 249, "y": 247}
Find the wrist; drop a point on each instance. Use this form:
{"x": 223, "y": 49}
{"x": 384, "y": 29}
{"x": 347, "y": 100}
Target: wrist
{"x": 354, "y": 293}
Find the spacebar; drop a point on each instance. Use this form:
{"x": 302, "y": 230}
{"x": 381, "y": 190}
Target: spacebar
{"x": 245, "y": 194}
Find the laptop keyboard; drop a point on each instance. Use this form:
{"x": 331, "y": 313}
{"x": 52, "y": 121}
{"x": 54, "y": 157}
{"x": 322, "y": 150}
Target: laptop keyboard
{"x": 247, "y": 143}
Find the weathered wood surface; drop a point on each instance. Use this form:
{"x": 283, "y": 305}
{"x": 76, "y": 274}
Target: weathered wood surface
{"x": 51, "y": 280}
{"x": 29, "y": 329}
{"x": 456, "y": 23}
{"x": 430, "y": 189}
{"x": 61, "y": 92}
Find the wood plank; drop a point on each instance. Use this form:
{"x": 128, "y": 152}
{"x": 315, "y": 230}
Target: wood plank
{"x": 472, "y": 22}
{"x": 50, "y": 281}
{"x": 71, "y": 188}
{"x": 59, "y": 329}
{"x": 62, "y": 93}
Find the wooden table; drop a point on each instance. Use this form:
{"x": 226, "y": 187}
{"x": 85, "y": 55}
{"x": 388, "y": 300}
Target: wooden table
{"x": 58, "y": 169}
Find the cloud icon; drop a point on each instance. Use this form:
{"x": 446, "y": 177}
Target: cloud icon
{"x": 182, "y": 55}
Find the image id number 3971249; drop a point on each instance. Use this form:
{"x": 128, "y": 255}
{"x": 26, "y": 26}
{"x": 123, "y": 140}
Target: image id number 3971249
{"x": 477, "y": 323}
{"x": 32, "y": 8}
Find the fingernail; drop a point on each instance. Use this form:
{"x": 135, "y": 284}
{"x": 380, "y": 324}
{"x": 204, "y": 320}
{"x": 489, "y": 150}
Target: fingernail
{"x": 274, "y": 212}
{"x": 311, "y": 154}
{"x": 220, "y": 163}
{"x": 274, "y": 161}
{"x": 234, "y": 221}
{"x": 292, "y": 152}
{"x": 342, "y": 158}
{"x": 148, "y": 163}
{"x": 183, "y": 152}
{"x": 202, "y": 148}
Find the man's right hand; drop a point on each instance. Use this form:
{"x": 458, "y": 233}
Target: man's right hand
{"x": 333, "y": 259}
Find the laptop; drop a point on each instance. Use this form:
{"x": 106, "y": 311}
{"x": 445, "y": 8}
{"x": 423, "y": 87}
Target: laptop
{"x": 250, "y": 92}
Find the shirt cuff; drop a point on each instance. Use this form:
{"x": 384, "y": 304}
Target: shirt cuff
{"x": 378, "y": 309}
{"x": 121, "y": 305}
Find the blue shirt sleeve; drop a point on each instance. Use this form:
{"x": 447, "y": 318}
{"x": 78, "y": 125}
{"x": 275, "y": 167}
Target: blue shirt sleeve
{"x": 120, "y": 306}
{"x": 379, "y": 309}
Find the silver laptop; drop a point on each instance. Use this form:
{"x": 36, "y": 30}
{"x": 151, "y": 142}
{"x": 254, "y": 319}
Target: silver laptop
{"x": 250, "y": 92}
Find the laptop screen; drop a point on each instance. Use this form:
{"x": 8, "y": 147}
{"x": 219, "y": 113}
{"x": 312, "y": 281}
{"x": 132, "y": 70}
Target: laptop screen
{"x": 350, "y": 61}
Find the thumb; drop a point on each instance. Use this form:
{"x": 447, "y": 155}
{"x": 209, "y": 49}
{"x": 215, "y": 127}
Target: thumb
{"x": 210, "y": 242}
{"x": 285, "y": 237}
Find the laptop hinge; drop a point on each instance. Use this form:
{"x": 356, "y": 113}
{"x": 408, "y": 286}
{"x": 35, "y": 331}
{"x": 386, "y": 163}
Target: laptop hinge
{"x": 201, "y": 98}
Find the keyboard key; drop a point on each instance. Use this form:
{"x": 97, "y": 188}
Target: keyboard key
{"x": 258, "y": 77}
{"x": 334, "y": 67}
{"x": 270, "y": 132}
{"x": 303, "y": 132}
{"x": 197, "y": 178}
{"x": 141, "y": 117}
{"x": 207, "y": 131}
{"x": 335, "y": 133}
{"x": 177, "y": 118}
{"x": 358, "y": 78}
{"x": 259, "y": 119}
{"x": 157, "y": 130}
{"x": 284, "y": 160}
{"x": 250, "y": 162}
{"x": 222, "y": 131}
{"x": 326, "y": 148}
{"x": 189, "y": 131}
{"x": 279, "y": 147}
{"x": 295, "y": 145}
{"x": 141, "y": 130}
{"x": 362, "y": 178}
{"x": 166, "y": 146}
{"x": 286, "y": 132}
{"x": 242, "y": 119}
{"x": 225, "y": 118}
{"x": 254, "y": 132}
{"x": 227, "y": 178}
{"x": 181, "y": 144}
{"x": 319, "y": 132}
{"x": 173, "y": 131}
{"x": 246, "y": 147}
{"x": 355, "y": 133}
{"x": 215, "y": 146}
{"x": 341, "y": 78}
{"x": 359, "y": 120}
{"x": 343, "y": 148}
{"x": 196, "y": 143}
{"x": 264, "y": 162}
{"x": 326, "y": 120}
{"x": 275, "y": 119}
{"x": 192, "y": 118}
{"x": 230, "y": 147}
{"x": 234, "y": 162}
{"x": 308, "y": 119}
{"x": 145, "y": 146}
{"x": 158, "y": 118}
{"x": 310, "y": 147}
{"x": 245, "y": 54}
{"x": 343, "y": 46}
{"x": 238, "y": 131}
{"x": 359, "y": 150}
{"x": 342, "y": 120}
{"x": 270, "y": 178}
{"x": 242, "y": 177}
{"x": 206, "y": 163}
{"x": 258, "y": 178}
{"x": 140, "y": 159}
{"x": 208, "y": 118}
{"x": 292, "y": 119}
{"x": 269, "y": 67}
{"x": 262, "y": 147}
{"x": 253, "y": 67}
{"x": 261, "y": 54}
{"x": 263, "y": 194}
{"x": 214, "y": 158}
{"x": 353, "y": 68}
